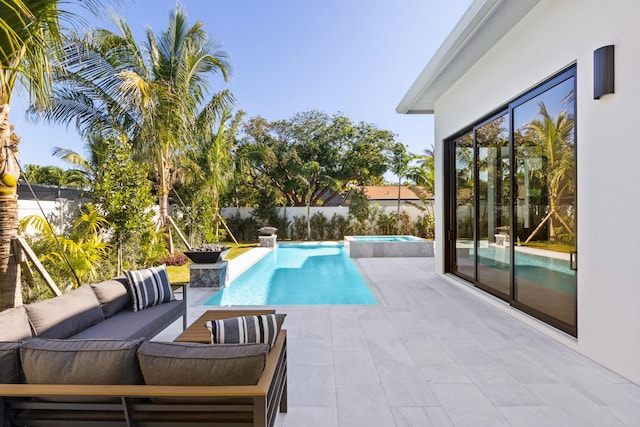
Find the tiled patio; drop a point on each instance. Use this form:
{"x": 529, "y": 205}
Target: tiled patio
{"x": 433, "y": 354}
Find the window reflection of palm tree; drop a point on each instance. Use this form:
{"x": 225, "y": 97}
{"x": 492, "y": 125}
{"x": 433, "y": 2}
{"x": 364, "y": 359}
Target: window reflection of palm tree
{"x": 553, "y": 139}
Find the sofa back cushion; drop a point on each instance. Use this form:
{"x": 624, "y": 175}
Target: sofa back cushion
{"x": 112, "y": 295}
{"x": 68, "y": 314}
{"x": 168, "y": 363}
{"x": 49, "y": 361}
{"x": 10, "y": 368}
{"x": 149, "y": 287}
{"x": 15, "y": 324}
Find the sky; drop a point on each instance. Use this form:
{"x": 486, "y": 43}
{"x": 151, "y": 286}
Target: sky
{"x": 353, "y": 57}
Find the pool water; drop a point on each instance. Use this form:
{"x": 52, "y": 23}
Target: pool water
{"x": 298, "y": 274}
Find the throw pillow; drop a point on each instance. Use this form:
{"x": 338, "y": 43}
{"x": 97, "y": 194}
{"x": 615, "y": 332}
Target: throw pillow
{"x": 248, "y": 329}
{"x": 149, "y": 287}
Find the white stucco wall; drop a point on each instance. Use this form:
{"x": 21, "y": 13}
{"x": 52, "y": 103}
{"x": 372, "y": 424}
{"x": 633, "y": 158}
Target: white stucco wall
{"x": 555, "y": 34}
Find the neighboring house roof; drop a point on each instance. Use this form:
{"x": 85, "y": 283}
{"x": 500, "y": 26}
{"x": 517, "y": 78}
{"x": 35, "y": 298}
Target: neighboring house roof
{"x": 479, "y": 29}
{"x": 45, "y": 192}
{"x": 388, "y": 192}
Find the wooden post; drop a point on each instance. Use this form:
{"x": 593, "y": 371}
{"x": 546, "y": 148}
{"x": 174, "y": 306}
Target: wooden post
{"x": 38, "y": 265}
{"x": 224, "y": 224}
{"x": 175, "y": 227}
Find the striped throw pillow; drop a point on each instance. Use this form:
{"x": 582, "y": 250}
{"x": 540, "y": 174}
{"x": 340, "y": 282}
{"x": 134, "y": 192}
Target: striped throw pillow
{"x": 149, "y": 287}
{"x": 248, "y": 329}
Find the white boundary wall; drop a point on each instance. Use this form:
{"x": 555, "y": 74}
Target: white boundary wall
{"x": 62, "y": 214}
{"x": 328, "y": 211}
{"x": 553, "y": 35}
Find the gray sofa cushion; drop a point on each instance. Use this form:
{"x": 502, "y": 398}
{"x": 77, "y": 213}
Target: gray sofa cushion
{"x": 10, "y": 368}
{"x": 168, "y": 363}
{"x": 128, "y": 324}
{"x": 112, "y": 295}
{"x": 68, "y": 314}
{"x": 68, "y": 361}
{"x": 15, "y": 324}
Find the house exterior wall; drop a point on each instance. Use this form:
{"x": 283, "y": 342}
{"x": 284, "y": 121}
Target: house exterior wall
{"x": 552, "y": 36}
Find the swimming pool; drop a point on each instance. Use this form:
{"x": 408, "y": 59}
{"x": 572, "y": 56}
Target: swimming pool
{"x": 298, "y": 274}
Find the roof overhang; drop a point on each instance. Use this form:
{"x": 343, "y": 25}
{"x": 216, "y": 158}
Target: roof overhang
{"x": 479, "y": 29}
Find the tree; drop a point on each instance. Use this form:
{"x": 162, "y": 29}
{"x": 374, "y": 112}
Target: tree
{"x": 214, "y": 161}
{"x": 345, "y": 152}
{"x": 360, "y": 209}
{"x": 399, "y": 164}
{"x": 30, "y": 28}
{"x": 81, "y": 251}
{"x": 156, "y": 95}
{"x": 422, "y": 174}
{"x": 97, "y": 147}
{"x": 120, "y": 188}
{"x": 309, "y": 174}
{"x": 54, "y": 175}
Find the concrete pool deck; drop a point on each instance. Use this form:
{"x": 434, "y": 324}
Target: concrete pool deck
{"x": 432, "y": 354}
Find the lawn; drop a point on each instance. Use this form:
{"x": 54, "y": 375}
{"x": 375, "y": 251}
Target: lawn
{"x": 180, "y": 274}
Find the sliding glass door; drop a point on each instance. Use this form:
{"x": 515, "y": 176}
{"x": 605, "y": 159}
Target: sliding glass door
{"x": 545, "y": 156}
{"x": 464, "y": 205}
{"x": 494, "y": 204}
{"x": 511, "y": 194}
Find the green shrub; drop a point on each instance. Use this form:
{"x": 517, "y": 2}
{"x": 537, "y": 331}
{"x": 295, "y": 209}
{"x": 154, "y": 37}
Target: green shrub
{"x": 243, "y": 229}
{"x": 319, "y": 225}
{"x": 299, "y": 228}
{"x": 386, "y": 224}
{"x": 338, "y": 227}
{"x": 425, "y": 226}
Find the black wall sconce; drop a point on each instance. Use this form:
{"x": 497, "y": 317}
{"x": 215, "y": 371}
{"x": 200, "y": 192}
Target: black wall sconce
{"x": 603, "y": 72}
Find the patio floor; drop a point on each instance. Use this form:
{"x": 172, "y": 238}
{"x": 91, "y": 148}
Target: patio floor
{"x": 433, "y": 354}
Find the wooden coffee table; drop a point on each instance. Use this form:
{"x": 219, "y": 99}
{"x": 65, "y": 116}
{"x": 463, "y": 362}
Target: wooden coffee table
{"x": 198, "y": 332}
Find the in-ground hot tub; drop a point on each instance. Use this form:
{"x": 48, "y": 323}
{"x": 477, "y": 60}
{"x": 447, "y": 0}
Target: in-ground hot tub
{"x": 387, "y": 246}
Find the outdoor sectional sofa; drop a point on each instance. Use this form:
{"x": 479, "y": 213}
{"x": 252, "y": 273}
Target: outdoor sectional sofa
{"x": 63, "y": 363}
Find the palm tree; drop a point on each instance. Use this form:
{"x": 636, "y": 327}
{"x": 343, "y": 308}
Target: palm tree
{"x": 399, "y": 165}
{"x": 553, "y": 139}
{"x": 155, "y": 95}
{"x": 422, "y": 176}
{"x": 423, "y": 172}
{"x": 81, "y": 250}
{"x": 97, "y": 148}
{"x": 29, "y": 30}
{"x": 309, "y": 174}
{"x": 215, "y": 158}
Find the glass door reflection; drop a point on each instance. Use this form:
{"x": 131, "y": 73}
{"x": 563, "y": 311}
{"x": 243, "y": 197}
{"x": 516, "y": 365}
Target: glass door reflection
{"x": 546, "y": 206}
{"x": 464, "y": 206}
{"x": 494, "y": 216}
